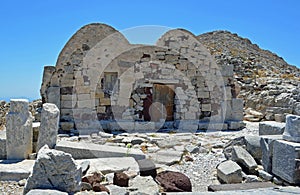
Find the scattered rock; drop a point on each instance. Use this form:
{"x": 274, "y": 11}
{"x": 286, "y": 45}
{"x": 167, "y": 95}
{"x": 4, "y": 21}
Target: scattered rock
{"x": 229, "y": 172}
{"x": 251, "y": 179}
{"x": 147, "y": 168}
{"x": 265, "y": 175}
{"x": 97, "y": 187}
{"x": 143, "y": 185}
{"x": 54, "y": 169}
{"x": 94, "y": 178}
{"x": 117, "y": 190}
{"x": 121, "y": 179}
{"x": 86, "y": 186}
{"x": 244, "y": 159}
{"x": 85, "y": 165}
{"x": 174, "y": 181}
{"x": 253, "y": 146}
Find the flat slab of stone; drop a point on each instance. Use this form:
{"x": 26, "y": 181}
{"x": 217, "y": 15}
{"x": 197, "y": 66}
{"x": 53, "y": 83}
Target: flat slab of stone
{"x": 240, "y": 186}
{"x": 166, "y": 157}
{"x": 261, "y": 191}
{"x": 271, "y": 128}
{"x": 14, "y": 170}
{"x": 46, "y": 192}
{"x": 110, "y": 165}
{"x": 84, "y": 150}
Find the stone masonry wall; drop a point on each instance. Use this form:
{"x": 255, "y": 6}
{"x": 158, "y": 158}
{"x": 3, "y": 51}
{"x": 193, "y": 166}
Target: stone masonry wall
{"x": 98, "y": 53}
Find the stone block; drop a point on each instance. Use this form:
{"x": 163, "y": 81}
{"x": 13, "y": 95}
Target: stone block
{"x": 212, "y": 126}
{"x": 101, "y": 109}
{"x": 235, "y": 125}
{"x": 229, "y": 172}
{"x": 68, "y": 104}
{"x": 105, "y": 102}
{"x": 84, "y": 104}
{"x": 203, "y": 94}
{"x": 82, "y": 97}
{"x": 49, "y": 126}
{"x": 81, "y": 150}
{"x": 19, "y": 130}
{"x": 285, "y": 161}
{"x": 53, "y": 96}
{"x": 206, "y": 107}
{"x": 15, "y": 170}
{"x": 253, "y": 146}
{"x": 271, "y": 128}
{"x": 2, "y": 148}
{"x": 54, "y": 170}
{"x": 292, "y": 128}
{"x": 244, "y": 159}
{"x": 111, "y": 165}
{"x": 147, "y": 168}
{"x": 67, "y": 126}
{"x": 266, "y": 143}
{"x": 237, "y": 105}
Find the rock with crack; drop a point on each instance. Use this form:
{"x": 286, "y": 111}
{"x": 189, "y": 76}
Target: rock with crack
{"x": 54, "y": 170}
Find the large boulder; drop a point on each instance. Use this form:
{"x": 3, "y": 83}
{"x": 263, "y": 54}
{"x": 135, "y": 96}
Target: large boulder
{"x": 54, "y": 169}
{"x": 253, "y": 146}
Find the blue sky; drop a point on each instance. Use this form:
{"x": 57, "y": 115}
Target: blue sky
{"x": 33, "y": 32}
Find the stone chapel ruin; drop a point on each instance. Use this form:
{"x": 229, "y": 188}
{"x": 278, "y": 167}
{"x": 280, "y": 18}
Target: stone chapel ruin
{"x": 102, "y": 82}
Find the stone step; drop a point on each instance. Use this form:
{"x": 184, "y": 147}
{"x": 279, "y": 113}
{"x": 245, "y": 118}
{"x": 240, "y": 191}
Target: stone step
{"x": 84, "y": 150}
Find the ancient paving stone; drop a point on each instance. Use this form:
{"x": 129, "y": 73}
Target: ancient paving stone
{"x": 143, "y": 185}
{"x": 292, "y": 128}
{"x": 174, "y": 181}
{"x": 110, "y": 165}
{"x": 229, "y": 172}
{"x": 85, "y": 150}
{"x": 18, "y": 130}
{"x": 285, "y": 163}
{"x": 54, "y": 169}
{"x": 236, "y": 188}
{"x": 49, "y": 126}
{"x": 271, "y": 128}
{"x": 166, "y": 157}
{"x": 244, "y": 159}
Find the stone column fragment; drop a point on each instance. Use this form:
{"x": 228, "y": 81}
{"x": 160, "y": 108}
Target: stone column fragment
{"x": 49, "y": 126}
{"x": 19, "y": 130}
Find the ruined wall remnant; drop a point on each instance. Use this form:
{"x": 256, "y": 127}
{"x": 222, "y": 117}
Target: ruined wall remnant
{"x": 100, "y": 76}
{"x": 18, "y": 130}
